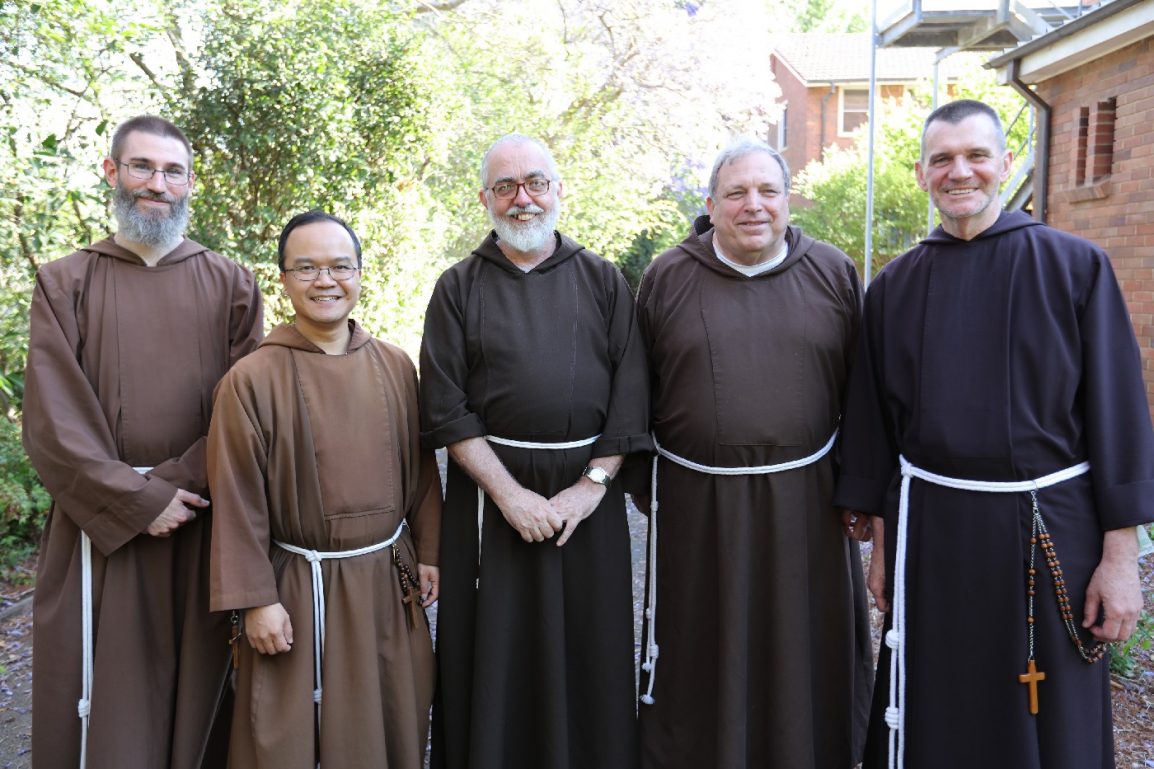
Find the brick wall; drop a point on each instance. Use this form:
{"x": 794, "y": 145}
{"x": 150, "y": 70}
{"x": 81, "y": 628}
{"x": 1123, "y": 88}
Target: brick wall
{"x": 801, "y": 143}
{"x": 1101, "y": 187}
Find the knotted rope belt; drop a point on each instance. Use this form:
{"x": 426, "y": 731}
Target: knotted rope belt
{"x": 651, "y": 648}
{"x": 318, "y": 589}
{"x": 896, "y": 638}
{"x": 520, "y": 445}
{"x": 87, "y": 653}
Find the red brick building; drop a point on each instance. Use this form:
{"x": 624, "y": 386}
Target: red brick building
{"x": 824, "y": 81}
{"x": 1095, "y": 165}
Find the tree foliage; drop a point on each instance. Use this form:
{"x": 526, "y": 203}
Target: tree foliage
{"x": 299, "y": 106}
{"x": 619, "y": 89}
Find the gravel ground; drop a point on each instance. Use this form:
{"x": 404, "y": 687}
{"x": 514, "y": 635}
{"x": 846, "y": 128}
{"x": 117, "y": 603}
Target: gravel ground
{"x": 1133, "y": 698}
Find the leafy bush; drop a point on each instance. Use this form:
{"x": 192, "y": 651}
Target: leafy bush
{"x": 23, "y": 501}
{"x": 1131, "y": 658}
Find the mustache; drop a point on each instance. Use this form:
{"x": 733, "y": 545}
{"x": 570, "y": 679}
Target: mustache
{"x": 163, "y": 197}
{"x": 529, "y": 209}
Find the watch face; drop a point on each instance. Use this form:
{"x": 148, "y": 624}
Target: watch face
{"x": 597, "y": 475}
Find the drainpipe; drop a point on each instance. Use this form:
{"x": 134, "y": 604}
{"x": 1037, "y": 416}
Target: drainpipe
{"x": 1042, "y": 142}
{"x": 821, "y": 131}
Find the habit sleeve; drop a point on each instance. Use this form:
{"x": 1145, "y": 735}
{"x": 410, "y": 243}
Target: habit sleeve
{"x": 626, "y": 429}
{"x": 424, "y": 512}
{"x": 67, "y": 436}
{"x": 241, "y": 574}
{"x": 425, "y": 516}
{"x": 869, "y": 453}
{"x": 446, "y": 416}
{"x": 1121, "y": 457}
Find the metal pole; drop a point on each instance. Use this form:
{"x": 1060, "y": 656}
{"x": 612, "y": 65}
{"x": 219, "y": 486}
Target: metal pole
{"x": 933, "y": 106}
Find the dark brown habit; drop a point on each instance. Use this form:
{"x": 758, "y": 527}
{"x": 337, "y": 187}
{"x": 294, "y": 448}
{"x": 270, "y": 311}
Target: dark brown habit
{"x": 761, "y": 631}
{"x": 536, "y": 666}
{"x": 1001, "y": 358}
{"x": 322, "y": 452}
{"x": 121, "y": 365}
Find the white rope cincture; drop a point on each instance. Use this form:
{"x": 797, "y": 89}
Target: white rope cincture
{"x": 520, "y": 445}
{"x": 895, "y": 639}
{"x": 87, "y": 650}
{"x": 84, "y": 707}
{"x": 652, "y": 650}
{"x": 314, "y": 558}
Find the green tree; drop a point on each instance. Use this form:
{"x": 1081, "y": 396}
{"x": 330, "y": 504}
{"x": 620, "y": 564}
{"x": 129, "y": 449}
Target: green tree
{"x": 620, "y": 90}
{"x": 66, "y": 67}
{"x": 300, "y": 106}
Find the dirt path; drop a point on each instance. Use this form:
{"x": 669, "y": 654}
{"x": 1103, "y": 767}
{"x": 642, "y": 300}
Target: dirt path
{"x": 16, "y": 689}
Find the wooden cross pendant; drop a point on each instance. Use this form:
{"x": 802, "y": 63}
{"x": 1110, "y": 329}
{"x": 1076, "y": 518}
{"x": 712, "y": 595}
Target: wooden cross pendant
{"x": 413, "y": 599}
{"x": 1031, "y": 677}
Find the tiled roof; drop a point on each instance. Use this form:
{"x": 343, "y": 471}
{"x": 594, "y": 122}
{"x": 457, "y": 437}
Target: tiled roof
{"x": 840, "y": 57}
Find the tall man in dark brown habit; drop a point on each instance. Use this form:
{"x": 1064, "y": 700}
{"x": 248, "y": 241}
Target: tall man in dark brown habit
{"x": 129, "y": 336}
{"x": 998, "y": 434}
{"x": 533, "y": 375}
{"x": 763, "y": 640}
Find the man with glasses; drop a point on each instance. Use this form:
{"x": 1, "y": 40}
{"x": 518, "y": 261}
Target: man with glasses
{"x": 128, "y": 338}
{"x": 533, "y": 376}
{"x": 315, "y": 465}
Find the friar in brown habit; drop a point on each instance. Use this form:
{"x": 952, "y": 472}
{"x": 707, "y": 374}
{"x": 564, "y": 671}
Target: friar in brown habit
{"x": 756, "y": 598}
{"x": 128, "y": 338}
{"x": 327, "y": 528}
{"x": 533, "y": 377}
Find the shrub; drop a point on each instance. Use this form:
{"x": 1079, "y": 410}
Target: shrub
{"x": 23, "y": 501}
{"x": 1132, "y": 657}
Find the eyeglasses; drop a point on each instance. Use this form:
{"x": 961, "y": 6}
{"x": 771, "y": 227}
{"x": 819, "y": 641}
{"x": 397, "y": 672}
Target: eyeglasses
{"x": 177, "y": 177}
{"x": 508, "y": 189}
{"x": 309, "y": 273}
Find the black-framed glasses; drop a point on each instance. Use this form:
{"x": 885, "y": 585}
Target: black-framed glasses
{"x": 177, "y": 177}
{"x": 309, "y": 273}
{"x": 507, "y": 189}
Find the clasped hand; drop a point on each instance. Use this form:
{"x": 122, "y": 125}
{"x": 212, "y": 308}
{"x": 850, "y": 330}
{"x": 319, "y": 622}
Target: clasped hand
{"x": 536, "y": 518}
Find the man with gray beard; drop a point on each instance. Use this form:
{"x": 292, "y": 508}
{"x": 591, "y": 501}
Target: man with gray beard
{"x": 533, "y": 376}
{"x": 128, "y": 339}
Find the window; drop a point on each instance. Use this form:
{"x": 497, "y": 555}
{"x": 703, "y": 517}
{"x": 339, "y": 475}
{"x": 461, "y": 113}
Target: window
{"x": 853, "y": 109}
{"x": 781, "y": 141}
{"x": 1093, "y": 149}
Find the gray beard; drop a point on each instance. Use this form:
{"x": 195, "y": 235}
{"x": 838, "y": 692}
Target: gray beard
{"x": 525, "y": 237}
{"x": 150, "y": 230}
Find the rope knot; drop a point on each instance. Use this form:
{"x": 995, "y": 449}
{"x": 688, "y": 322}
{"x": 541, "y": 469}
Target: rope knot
{"x": 312, "y": 556}
{"x": 317, "y": 696}
{"x": 84, "y": 708}
{"x": 893, "y": 639}
{"x": 893, "y": 717}
{"x": 646, "y": 699}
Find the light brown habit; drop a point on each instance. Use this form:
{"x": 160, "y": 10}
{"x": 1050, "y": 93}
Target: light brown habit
{"x": 322, "y": 451}
{"x": 122, "y": 362}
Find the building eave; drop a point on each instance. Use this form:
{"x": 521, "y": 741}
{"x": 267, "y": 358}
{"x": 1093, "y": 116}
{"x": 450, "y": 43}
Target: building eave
{"x": 1100, "y": 32}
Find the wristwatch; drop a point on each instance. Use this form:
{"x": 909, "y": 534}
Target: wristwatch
{"x": 597, "y": 475}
